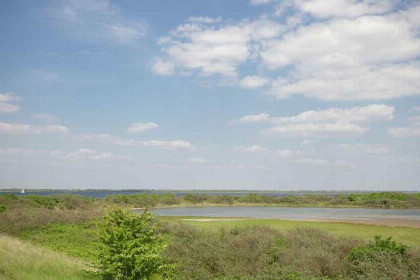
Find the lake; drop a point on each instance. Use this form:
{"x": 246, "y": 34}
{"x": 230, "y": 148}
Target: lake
{"x": 339, "y": 214}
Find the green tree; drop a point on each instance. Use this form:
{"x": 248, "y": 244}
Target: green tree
{"x": 132, "y": 248}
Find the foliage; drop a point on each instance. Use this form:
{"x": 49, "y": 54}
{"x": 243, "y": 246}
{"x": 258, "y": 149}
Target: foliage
{"x": 132, "y": 247}
{"x": 382, "y": 258}
{"x": 264, "y": 253}
{"x": 31, "y": 211}
{"x": 76, "y": 240}
{"x": 2, "y": 208}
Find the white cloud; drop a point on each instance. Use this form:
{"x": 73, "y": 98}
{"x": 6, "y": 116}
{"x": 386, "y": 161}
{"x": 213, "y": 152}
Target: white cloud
{"x": 87, "y": 154}
{"x": 259, "y": 2}
{"x": 208, "y": 20}
{"x": 251, "y": 82}
{"x": 317, "y": 129}
{"x": 116, "y": 140}
{"x": 329, "y": 122}
{"x": 8, "y": 108}
{"x": 8, "y": 97}
{"x": 364, "y": 149}
{"x": 369, "y": 113}
{"x": 81, "y": 154}
{"x": 251, "y": 149}
{"x": 197, "y": 160}
{"x": 343, "y": 53}
{"x": 298, "y": 156}
{"x": 176, "y": 144}
{"x": 413, "y": 130}
{"x": 403, "y": 132}
{"x": 343, "y": 8}
{"x": 263, "y": 117}
{"x": 141, "y": 127}
{"x": 216, "y": 51}
{"x": 5, "y": 106}
{"x": 17, "y": 128}
{"x": 348, "y": 59}
{"x": 98, "y": 21}
{"x": 313, "y": 161}
{"x": 163, "y": 68}
{"x": 47, "y": 118}
{"x": 288, "y": 153}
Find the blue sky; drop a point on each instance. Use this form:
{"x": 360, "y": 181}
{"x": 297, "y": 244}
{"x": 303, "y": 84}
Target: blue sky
{"x": 260, "y": 94}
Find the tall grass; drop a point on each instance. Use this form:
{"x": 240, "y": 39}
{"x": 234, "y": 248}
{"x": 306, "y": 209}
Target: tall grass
{"x": 300, "y": 254}
{"x": 23, "y": 261}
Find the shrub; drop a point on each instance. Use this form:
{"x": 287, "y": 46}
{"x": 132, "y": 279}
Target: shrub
{"x": 131, "y": 247}
{"x": 381, "y": 259}
{"x": 2, "y": 208}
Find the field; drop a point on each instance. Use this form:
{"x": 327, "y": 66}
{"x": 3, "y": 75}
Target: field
{"x": 409, "y": 236}
{"x": 56, "y": 237}
{"x": 24, "y": 261}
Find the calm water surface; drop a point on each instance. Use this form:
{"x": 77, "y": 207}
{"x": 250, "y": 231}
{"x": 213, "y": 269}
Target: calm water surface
{"x": 294, "y": 213}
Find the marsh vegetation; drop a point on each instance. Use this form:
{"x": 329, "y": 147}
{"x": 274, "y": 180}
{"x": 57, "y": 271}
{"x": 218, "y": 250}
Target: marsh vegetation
{"x": 62, "y": 237}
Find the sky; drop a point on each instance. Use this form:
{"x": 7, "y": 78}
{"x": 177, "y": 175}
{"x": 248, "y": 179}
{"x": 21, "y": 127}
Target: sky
{"x": 186, "y": 94}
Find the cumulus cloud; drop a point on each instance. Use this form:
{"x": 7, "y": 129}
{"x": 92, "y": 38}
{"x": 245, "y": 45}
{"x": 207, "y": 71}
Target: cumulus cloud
{"x": 197, "y": 160}
{"x": 8, "y": 108}
{"x": 119, "y": 141}
{"x": 343, "y": 52}
{"x": 163, "y": 68}
{"x": 413, "y": 130}
{"x": 298, "y": 156}
{"x": 17, "y": 128}
{"x": 87, "y": 154}
{"x": 364, "y": 149}
{"x": 141, "y": 127}
{"x": 8, "y": 97}
{"x": 403, "y": 132}
{"x": 343, "y": 8}
{"x": 175, "y": 144}
{"x": 317, "y": 129}
{"x": 369, "y": 113}
{"x": 251, "y": 82}
{"x": 255, "y": 118}
{"x": 77, "y": 155}
{"x": 5, "y": 99}
{"x": 259, "y": 2}
{"x": 99, "y": 21}
{"x": 329, "y": 122}
{"x": 213, "y": 50}
{"x": 208, "y": 20}
{"x": 251, "y": 149}
{"x": 348, "y": 59}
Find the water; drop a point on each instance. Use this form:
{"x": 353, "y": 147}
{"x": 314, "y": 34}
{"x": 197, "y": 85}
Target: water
{"x": 348, "y": 214}
{"x": 103, "y": 193}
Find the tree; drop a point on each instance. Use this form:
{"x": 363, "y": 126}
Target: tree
{"x": 131, "y": 247}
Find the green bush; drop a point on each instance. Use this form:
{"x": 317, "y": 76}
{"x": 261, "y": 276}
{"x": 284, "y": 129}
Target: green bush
{"x": 381, "y": 259}
{"x": 2, "y": 208}
{"x": 131, "y": 247}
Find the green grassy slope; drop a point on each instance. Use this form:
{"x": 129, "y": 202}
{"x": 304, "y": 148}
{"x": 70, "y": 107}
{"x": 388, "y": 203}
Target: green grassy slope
{"x": 23, "y": 261}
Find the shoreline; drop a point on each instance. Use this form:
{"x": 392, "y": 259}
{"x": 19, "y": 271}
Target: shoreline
{"x": 395, "y": 223}
{"x": 264, "y": 205}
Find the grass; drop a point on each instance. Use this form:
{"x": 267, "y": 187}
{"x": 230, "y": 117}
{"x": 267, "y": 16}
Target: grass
{"x": 409, "y": 236}
{"x": 80, "y": 241}
{"x": 208, "y": 250}
{"x": 21, "y": 260}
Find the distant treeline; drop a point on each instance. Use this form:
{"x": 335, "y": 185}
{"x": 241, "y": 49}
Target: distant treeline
{"x": 370, "y": 200}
